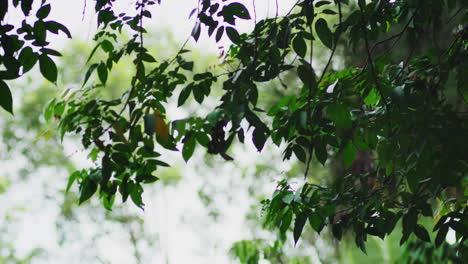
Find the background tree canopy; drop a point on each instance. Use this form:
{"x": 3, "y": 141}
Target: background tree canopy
{"x": 386, "y": 111}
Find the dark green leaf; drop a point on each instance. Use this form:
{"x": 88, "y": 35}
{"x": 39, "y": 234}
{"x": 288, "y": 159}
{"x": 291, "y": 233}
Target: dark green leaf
{"x": 150, "y": 124}
{"x": 299, "y": 45}
{"x": 286, "y": 221}
{"x": 324, "y": 33}
{"x": 317, "y": 222}
{"x": 349, "y": 153}
{"x": 301, "y": 219}
{"x": 136, "y": 190}
{"x": 339, "y": 115}
{"x": 184, "y": 94}
{"x": 55, "y": 27}
{"x": 87, "y": 189}
{"x": 259, "y": 139}
{"x": 422, "y": 233}
{"x": 441, "y": 235}
{"x": 43, "y": 12}
{"x": 300, "y": 153}
{"x": 6, "y": 99}
{"x": 196, "y": 31}
{"x": 321, "y": 151}
{"x": 321, "y": 3}
{"x": 189, "y": 147}
{"x": 239, "y": 10}
{"x": 27, "y": 59}
{"x": 307, "y": 75}
{"x": 89, "y": 72}
{"x": 233, "y": 35}
{"x": 102, "y": 73}
{"x": 219, "y": 33}
{"x": 48, "y": 68}
{"x": 329, "y": 12}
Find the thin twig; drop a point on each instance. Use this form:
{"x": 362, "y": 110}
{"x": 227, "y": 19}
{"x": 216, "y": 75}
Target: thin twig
{"x": 340, "y": 15}
{"x": 371, "y": 62}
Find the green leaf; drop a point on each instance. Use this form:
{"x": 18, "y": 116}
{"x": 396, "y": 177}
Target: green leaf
{"x": 299, "y": 46}
{"x": 321, "y": 151}
{"x": 189, "y": 147}
{"x": 93, "y": 52}
{"x": 307, "y": 75}
{"x": 239, "y": 10}
{"x": 184, "y": 94}
{"x": 219, "y": 33}
{"x": 339, "y": 115}
{"x": 6, "y": 99}
{"x": 72, "y": 179}
{"x": 106, "y": 46}
{"x": 329, "y": 12}
{"x": 441, "y": 235}
{"x": 321, "y": 3}
{"x": 324, "y": 33}
{"x": 300, "y": 153}
{"x": 55, "y": 27}
{"x": 150, "y": 124}
{"x": 27, "y": 59}
{"x": 43, "y": 12}
{"x": 422, "y": 233}
{"x": 87, "y": 189}
{"x": 136, "y": 190}
{"x": 48, "y": 68}
{"x": 301, "y": 219}
{"x": 89, "y": 72}
{"x": 349, "y": 153}
{"x": 233, "y": 35}
{"x": 286, "y": 221}
{"x": 102, "y": 73}
{"x": 49, "y": 110}
{"x": 317, "y": 222}
{"x": 259, "y": 139}
{"x": 196, "y": 31}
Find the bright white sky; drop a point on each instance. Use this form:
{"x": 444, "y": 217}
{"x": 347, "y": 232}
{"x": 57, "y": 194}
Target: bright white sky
{"x": 188, "y": 241}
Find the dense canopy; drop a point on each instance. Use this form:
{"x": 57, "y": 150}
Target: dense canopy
{"x": 387, "y": 109}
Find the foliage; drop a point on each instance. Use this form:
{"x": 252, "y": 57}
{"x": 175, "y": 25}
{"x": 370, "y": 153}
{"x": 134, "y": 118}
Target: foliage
{"x": 396, "y": 127}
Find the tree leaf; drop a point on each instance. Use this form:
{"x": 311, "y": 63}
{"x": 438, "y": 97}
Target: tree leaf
{"x": 422, "y": 233}
{"x": 441, "y": 235}
{"x": 102, "y": 73}
{"x": 299, "y": 46}
{"x": 89, "y": 72}
{"x": 307, "y": 75}
{"x": 317, "y": 222}
{"x": 324, "y": 33}
{"x": 43, "y": 12}
{"x": 321, "y": 151}
{"x": 196, "y": 31}
{"x": 27, "y": 59}
{"x": 219, "y": 33}
{"x": 339, "y": 115}
{"x": 48, "y": 68}
{"x": 259, "y": 139}
{"x": 87, "y": 189}
{"x": 349, "y": 153}
{"x": 301, "y": 219}
{"x": 233, "y": 35}
{"x": 239, "y": 10}
{"x": 6, "y": 99}
{"x": 184, "y": 94}
{"x": 189, "y": 147}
